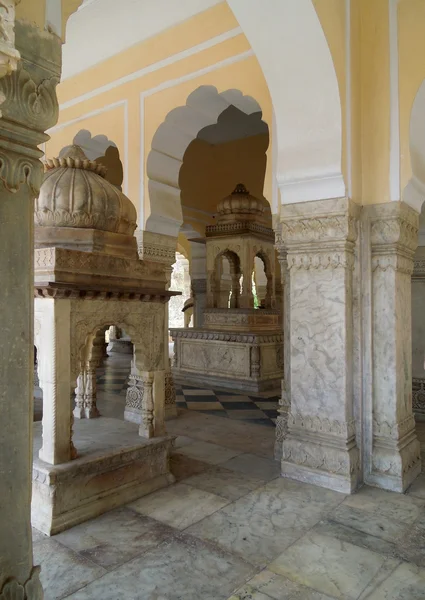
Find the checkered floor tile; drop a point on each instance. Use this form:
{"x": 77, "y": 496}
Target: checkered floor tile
{"x": 112, "y": 378}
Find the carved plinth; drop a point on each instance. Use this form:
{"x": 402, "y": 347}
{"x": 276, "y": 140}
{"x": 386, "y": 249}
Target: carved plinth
{"x": 119, "y": 468}
{"x": 228, "y": 360}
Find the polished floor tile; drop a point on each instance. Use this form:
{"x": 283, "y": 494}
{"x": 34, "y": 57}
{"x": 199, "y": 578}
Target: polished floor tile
{"x": 225, "y": 483}
{"x": 254, "y": 466}
{"x": 182, "y": 568}
{"x": 386, "y": 504}
{"x": 62, "y": 570}
{"x": 262, "y": 524}
{"x": 267, "y": 585}
{"x": 115, "y": 537}
{"x": 179, "y": 506}
{"x": 406, "y": 582}
{"x": 328, "y": 565}
{"x": 210, "y": 453}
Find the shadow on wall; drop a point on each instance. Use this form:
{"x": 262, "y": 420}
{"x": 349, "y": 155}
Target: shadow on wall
{"x": 104, "y": 151}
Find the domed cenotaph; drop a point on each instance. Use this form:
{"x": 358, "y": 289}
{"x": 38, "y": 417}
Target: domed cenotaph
{"x": 240, "y": 345}
{"x": 87, "y": 278}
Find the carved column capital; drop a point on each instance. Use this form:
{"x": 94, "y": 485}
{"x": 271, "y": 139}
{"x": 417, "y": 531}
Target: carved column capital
{"x": 393, "y": 226}
{"x": 156, "y": 247}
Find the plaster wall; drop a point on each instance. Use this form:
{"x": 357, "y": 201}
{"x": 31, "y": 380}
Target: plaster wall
{"x": 157, "y": 80}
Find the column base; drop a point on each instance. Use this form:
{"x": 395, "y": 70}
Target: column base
{"x": 396, "y": 464}
{"x": 327, "y": 462}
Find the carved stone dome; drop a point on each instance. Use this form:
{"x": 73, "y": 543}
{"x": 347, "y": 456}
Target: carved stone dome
{"x": 76, "y": 194}
{"x": 241, "y": 205}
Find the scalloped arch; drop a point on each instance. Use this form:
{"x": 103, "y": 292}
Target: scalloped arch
{"x": 170, "y": 142}
{"x": 414, "y": 192}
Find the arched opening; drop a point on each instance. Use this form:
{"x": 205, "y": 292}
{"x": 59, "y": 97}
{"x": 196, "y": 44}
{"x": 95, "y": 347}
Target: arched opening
{"x": 210, "y": 126}
{"x": 180, "y": 282}
{"x": 228, "y": 280}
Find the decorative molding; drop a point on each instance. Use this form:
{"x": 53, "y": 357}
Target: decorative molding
{"x": 250, "y": 338}
{"x": 68, "y": 291}
{"x": 239, "y": 228}
{"x": 17, "y": 170}
{"x": 35, "y": 105}
{"x": 309, "y": 189}
{"x": 318, "y": 228}
{"x": 170, "y": 390}
{"x": 393, "y": 224}
{"x": 219, "y": 39}
{"x": 396, "y": 431}
{"x": 394, "y": 262}
{"x": 315, "y": 424}
{"x": 156, "y": 247}
{"x": 30, "y": 590}
{"x": 320, "y": 260}
{"x": 419, "y": 269}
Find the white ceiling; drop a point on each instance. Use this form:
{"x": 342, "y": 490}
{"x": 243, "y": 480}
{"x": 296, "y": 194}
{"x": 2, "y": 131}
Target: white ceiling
{"x": 101, "y": 29}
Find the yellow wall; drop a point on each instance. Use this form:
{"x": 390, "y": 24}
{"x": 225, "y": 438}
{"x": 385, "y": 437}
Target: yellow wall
{"x": 411, "y": 42}
{"x": 96, "y": 114}
{"x": 210, "y": 173}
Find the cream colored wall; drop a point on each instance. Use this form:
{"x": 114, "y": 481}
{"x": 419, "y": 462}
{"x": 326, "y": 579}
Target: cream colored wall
{"x": 369, "y": 99}
{"x": 411, "y": 43}
{"x": 124, "y": 123}
{"x": 210, "y": 173}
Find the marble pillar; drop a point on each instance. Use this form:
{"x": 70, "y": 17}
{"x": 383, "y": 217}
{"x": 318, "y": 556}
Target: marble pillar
{"x": 395, "y": 460}
{"x": 284, "y": 305}
{"x": 28, "y": 108}
{"x": 199, "y": 293}
{"x": 418, "y": 334}
{"x": 198, "y": 279}
{"x": 162, "y": 249}
{"x": 320, "y": 446}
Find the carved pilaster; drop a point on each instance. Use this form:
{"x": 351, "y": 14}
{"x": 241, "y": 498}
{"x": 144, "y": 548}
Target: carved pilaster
{"x": 79, "y": 397}
{"x": 30, "y": 590}
{"x": 146, "y": 428}
{"x": 320, "y": 446}
{"x": 9, "y": 55}
{"x": 418, "y": 397}
{"x": 134, "y": 399}
{"x": 395, "y": 453}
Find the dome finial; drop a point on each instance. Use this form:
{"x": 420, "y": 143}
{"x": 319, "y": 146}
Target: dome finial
{"x": 74, "y": 158}
{"x": 240, "y": 189}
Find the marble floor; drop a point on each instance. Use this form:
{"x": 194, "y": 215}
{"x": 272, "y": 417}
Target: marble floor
{"x": 112, "y": 378}
{"x": 231, "y": 528}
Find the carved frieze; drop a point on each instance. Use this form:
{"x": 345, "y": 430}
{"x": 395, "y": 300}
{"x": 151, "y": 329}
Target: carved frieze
{"x": 393, "y": 223}
{"x": 320, "y": 260}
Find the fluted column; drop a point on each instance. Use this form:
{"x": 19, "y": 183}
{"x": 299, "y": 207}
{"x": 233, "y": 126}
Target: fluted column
{"x": 29, "y": 107}
{"x": 320, "y": 446}
{"x": 395, "y": 460}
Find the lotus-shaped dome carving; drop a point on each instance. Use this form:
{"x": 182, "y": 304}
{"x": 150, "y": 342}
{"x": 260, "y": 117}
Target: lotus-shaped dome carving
{"x": 240, "y": 204}
{"x": 76, "y": 194}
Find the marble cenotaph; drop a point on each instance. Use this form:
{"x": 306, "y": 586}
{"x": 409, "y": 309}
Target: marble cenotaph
{"x": 88, "y": 277}
{"x": 240, "y": 345}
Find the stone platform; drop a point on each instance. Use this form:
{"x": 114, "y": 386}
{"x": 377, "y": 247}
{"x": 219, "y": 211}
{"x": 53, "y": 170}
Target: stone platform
{"x": 236, "y": 360}
{"x": 115, "y": 466}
